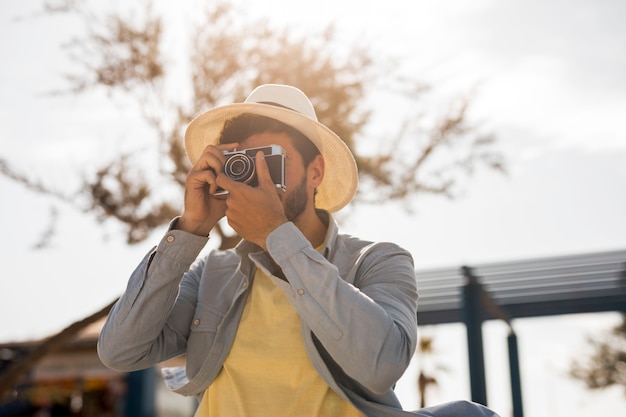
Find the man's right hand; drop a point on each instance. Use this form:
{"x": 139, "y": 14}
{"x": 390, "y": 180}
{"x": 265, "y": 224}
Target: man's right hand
{"x": 202, "y": 210}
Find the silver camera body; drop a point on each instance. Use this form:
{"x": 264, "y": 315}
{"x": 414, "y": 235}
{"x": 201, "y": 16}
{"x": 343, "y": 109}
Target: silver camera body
{"x": 241, "y": 166}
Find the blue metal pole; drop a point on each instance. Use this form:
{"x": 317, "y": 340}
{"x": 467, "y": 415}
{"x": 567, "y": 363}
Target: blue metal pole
{"x": 140, "y": 396}
{"x": 516, "y": 381}
{"x": 473, "y": 316}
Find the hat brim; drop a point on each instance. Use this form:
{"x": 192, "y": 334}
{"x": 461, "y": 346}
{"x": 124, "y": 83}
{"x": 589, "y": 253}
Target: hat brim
{"x": 340, "y": 174}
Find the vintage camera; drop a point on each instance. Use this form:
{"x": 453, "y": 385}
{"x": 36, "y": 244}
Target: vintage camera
{"x": 241, "y": 166}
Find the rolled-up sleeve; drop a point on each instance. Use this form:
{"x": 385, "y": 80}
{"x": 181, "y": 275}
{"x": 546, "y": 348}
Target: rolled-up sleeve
{"x": 140, "y": 330}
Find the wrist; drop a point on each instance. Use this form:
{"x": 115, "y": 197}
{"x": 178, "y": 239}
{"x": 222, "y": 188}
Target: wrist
{"x": 190, "y": 226}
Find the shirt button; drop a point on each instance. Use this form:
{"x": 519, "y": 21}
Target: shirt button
{"x": 301, "y": 291}
{"x": 170, "y": 239}
{"x": 196, "y": 322}
{"x": 244, "y": 285}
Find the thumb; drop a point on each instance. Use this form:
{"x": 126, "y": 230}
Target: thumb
{"x": 263, "y": 172}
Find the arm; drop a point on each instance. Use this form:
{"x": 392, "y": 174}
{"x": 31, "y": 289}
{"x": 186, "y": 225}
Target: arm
{"x": 150, "y": 321}
{"x": 370, "y": 331}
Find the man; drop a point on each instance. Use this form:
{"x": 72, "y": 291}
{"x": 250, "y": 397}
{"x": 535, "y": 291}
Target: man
{"x": 298, "y": 320}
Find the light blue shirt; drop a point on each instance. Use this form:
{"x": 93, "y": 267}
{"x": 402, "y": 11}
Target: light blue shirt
{"x": 357, "y": 301}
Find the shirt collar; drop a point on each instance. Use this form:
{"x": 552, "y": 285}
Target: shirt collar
{"x": 244, "y": 248}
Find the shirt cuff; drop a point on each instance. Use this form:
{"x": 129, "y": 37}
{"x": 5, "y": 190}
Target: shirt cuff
{"x": 183, "y": 247}
{"x": 285, "y": 241}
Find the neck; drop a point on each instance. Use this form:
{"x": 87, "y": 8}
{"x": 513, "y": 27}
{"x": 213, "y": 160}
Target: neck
{"x": 311, "y": 227}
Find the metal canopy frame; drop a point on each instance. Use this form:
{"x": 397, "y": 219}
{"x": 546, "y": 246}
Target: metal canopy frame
{"x": 506, "y": 290}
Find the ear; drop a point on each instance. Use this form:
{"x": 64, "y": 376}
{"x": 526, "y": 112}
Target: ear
{"x": 315, "y": 171}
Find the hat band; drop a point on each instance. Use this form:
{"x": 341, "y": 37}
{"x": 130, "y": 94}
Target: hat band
{"x": 271, "y": 103}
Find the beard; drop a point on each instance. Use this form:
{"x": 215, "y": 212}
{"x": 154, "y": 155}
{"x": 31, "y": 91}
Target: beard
{"x": 296, "y": 201}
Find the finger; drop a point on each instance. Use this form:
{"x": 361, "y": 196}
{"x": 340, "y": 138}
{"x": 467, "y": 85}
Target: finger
{"x": 210, "y": 159}
{"x": 263, "y": 172}
{"x": 224, "y": 181}
{"x": 209, "y": 162}
{"x": 198, "y": 179}
{"x": 202, "y": 176}
{"x": 213, "y": 158}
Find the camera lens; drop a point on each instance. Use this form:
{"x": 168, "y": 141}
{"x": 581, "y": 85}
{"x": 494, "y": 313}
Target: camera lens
{"x": 239, "y": 167}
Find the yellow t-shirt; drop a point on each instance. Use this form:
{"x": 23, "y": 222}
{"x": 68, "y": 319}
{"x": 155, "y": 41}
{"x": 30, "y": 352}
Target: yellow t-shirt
{"x": 268, "y": 372}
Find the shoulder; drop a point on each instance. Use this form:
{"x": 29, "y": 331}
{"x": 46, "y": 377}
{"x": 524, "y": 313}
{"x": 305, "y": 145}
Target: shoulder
{"x": 348, "y": 244}
{"x": 355, "y": 257}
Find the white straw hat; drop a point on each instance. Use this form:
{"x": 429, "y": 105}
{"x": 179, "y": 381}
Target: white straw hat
{"x": 292, "y": 107}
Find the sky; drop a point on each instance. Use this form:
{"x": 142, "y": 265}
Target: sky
{"x": 547, "y": 78}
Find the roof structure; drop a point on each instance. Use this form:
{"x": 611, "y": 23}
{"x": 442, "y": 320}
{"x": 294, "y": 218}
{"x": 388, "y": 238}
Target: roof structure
{"x": 507, "y": 290}
{"x": 537, "y": 287}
